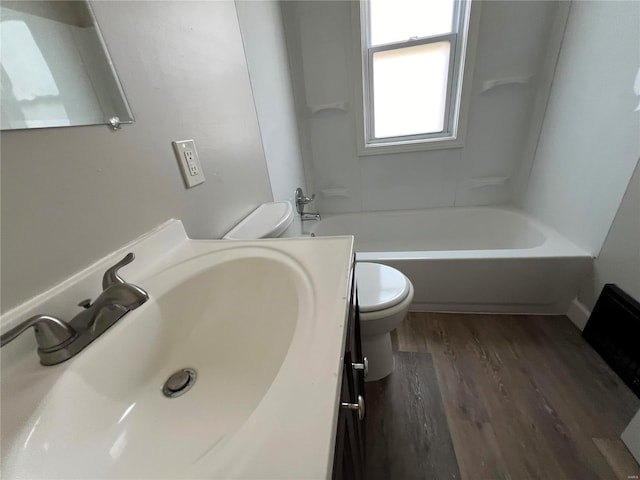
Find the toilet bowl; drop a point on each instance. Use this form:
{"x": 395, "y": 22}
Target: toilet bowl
{"x": 384, "y": 296}
{"x": 384, "y": 293}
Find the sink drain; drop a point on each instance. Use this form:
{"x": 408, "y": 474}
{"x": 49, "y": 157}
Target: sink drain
{"x": 179, "y": 382}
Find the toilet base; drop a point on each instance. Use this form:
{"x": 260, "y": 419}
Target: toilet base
{"x": 378, "y": 351}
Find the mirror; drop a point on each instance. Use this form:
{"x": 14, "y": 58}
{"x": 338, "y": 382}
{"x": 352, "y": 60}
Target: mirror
{"x": 56, "y": 71}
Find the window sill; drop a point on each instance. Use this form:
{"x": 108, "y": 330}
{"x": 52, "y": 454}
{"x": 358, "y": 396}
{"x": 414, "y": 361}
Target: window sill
{"x": 365, "y": 150}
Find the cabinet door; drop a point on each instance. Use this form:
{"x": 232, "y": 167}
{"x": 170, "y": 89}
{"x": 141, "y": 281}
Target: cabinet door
{"x": 358, "y": 379}
{"x": 343, "y": 465}
{"x": 349, "y": 453}
{"x": 350, "y": 448}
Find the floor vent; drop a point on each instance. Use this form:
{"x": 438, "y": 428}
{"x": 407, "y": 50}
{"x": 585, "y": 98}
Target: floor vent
{"x": 613, "y": 330}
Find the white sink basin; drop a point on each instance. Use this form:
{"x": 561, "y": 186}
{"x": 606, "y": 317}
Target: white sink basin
{"x": 231, "y": 315}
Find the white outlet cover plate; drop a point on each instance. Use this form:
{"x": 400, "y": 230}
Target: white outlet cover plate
{"x": 189, "y": 162}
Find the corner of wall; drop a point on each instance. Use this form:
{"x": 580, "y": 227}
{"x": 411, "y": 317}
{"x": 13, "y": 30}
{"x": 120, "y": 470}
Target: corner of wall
{"x": 543, "y": 93}
{"x": 578, "y": 313}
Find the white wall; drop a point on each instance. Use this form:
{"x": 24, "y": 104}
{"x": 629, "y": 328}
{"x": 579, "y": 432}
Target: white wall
{"x": 266, "y": 52}
{"x": 619, "y": 263}
{"x": 590, "y": 142}
{"x": 325, "y": 60}
{"x": 619, "y": 259}
{"x": 71, "y": 195}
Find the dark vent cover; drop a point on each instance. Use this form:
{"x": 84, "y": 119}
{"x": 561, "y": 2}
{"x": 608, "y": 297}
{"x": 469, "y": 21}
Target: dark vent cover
{"x": 613, "y": 330}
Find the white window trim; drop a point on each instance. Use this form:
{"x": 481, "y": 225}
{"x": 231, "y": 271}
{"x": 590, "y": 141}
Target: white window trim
{"x": 466, "y": 44}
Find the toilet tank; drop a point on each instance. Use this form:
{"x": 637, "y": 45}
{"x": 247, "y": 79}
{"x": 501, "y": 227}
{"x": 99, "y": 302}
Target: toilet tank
{"x": 269, "y": 220}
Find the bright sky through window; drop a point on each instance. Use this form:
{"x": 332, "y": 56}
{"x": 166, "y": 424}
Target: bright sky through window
{"x": 399, "y": 20}
{"x": 412, "y": 66}
{"x": 410, "y": 89}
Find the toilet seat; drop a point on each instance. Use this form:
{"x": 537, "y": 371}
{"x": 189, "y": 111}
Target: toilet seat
{"x": 380, "y": 287}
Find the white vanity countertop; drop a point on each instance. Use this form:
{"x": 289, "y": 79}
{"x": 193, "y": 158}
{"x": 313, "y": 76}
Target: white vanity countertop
{"x": 291, "y": 433}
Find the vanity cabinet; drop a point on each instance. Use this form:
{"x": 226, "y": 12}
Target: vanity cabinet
{"x": 350, "y": 440}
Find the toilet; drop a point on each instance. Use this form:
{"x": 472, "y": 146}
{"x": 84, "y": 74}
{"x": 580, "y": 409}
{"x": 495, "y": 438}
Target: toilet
{"x": 384, "y": 296}
{"x": 384, "y": 293}
{"x": 269, "y": 220}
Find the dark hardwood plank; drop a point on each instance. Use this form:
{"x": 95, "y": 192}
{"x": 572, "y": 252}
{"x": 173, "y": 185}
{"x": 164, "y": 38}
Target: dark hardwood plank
{"x": 409, "y": 336}
{"x": 461, "y": 359}
{"x": 590, "y": 374}
{"x": 570, "y": 393}
{"x": 407, "y": 431}
{"x": 528, "y": 377}
{"x": 525, "y": 396}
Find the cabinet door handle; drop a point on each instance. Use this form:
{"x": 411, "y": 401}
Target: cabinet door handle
{"x": 356, "y": 406}
{"x": 364, "y": 366}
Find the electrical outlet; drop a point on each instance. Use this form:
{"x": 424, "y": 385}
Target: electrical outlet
{"x": 189, "y": 162}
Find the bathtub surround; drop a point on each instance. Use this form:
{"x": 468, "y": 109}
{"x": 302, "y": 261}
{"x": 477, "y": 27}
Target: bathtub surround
{"x": 562, "y": 146}
{"x": 71, "y": 195}
{"x": 513, "y": 41}
{"x": 268, "y": 64}
{"x": 589, "y": 145}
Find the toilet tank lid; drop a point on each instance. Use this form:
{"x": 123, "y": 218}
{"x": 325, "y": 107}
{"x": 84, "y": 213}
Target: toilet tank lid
{"x": 268, "y": 220}
{"x": 379, "y": 286}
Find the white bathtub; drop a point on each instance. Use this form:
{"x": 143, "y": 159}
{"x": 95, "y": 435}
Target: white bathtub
{"x": 476, "y": 259}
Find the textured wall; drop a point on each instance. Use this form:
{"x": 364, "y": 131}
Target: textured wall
{"x": 266, "y": 51}
{"x": 71, "y": 195}
{"x": 590, "y": 140}
{"x": 619, "y": 259}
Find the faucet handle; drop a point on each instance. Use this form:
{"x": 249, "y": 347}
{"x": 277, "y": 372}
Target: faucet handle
{"x": 111, "y": 276}
{"x": 50, "y": 331}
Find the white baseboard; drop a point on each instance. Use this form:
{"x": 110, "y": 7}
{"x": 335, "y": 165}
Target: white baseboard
{"x": 578, "y": 313}
{"x": 631, "y": 437}
{"x": 490, "y": 308}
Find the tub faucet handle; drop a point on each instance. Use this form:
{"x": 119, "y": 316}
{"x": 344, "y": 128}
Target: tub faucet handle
{"x": 301, "y": 200}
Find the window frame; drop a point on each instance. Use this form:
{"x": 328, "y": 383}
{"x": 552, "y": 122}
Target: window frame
{"x": 461, "y": 58}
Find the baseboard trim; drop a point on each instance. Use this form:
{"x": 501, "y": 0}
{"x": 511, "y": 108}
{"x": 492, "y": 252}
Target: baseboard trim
{"x": 578, "y": 313}
{"x": 510, "y": 309}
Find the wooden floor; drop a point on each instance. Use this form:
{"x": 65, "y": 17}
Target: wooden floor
{"x": 497, "y": 397}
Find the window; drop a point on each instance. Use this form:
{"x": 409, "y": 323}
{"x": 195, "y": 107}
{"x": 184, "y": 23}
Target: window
{"x": 413, "y": 54}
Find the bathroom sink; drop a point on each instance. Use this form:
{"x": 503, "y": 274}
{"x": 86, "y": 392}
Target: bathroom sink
{"x": 231, "y": 315}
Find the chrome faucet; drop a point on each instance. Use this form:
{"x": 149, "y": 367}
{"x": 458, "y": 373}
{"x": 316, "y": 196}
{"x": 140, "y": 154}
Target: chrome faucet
{"x": 301, "y": 200}
{"x": 59, "y": 341}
